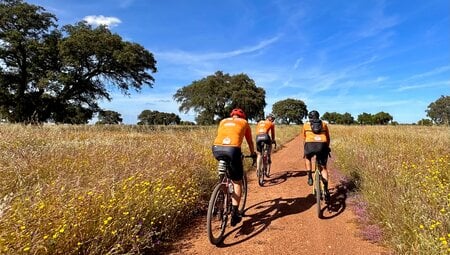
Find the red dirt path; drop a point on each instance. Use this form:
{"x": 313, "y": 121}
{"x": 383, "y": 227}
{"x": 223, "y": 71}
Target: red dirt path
{"x": 281, "y": 218}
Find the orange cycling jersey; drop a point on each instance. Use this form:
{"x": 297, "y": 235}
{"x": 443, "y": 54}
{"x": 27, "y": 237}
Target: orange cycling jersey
{"x": 309, "y": 136}
{"x": 231, "y": 132}
{"x": 264, "y": 126}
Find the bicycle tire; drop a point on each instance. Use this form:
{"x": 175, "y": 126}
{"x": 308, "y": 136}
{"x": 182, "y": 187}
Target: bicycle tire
{"x": 317, "y": 190}
{"x": 267, "y": 169}
{"x": 217, "y": 215}
{"x": 244, "y": 193}
{"x": 260, "y": 171}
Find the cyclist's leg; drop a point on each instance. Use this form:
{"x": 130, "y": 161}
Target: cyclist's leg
{"x": 308, "y": 154}
{"x": 269, "y": 143}
{"x": 236, "y": 174}
{"x": 258, "y": 151}
{"x": 322, "y": 159}
{"x": 236, "y": 197}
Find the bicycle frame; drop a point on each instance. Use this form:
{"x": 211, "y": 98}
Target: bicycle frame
{"x": 220, "y": 203}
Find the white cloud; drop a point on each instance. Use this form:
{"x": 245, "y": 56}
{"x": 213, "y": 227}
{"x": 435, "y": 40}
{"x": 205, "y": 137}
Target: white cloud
{"x": 424, "y": 85}
{"x": 433, "y": 72}
{"x": 102, "y": 20}
{"x": 378, "y": 22}
{"x": 186, "y": 57}
{"x": 297, "y": 63}
{"x": 125, "y": 3}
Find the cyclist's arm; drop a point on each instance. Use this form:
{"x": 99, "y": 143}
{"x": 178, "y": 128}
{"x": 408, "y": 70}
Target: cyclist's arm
{"x": 303, "y": 132}
{"x": 273, "y": 133}
{"x": 249, "y": 139}
{"x": 327, "y": 133}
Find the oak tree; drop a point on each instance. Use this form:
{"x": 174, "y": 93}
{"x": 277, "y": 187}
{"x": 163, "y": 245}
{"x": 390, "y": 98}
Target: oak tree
{"x": 214, "y": 96}
{"x": 290, "y": 111}
{"x": 55, "y": 74}
{"x": 439, "y": 110}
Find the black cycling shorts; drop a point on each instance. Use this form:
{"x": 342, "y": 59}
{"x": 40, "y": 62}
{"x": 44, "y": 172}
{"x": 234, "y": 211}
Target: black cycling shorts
{"x": 233, "y": 155}
{"x": 260, "y": 139}
{"x": 321, "y": 151}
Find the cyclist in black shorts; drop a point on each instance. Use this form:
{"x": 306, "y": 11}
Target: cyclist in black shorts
{"x": 316, "y": 137}
{"x": 263, "y": 128}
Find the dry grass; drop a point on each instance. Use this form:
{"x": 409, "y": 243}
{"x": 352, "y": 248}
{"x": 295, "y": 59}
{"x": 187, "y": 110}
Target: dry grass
{"x": 102, "y": 190}
{"x": 403, "y": 173}
{"x": 115, "y": 190}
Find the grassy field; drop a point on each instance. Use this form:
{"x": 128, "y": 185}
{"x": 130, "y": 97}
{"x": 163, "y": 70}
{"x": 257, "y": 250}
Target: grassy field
{"x": 403, "y": 174}
{"x": 102, "y": 190}
{"x": 117, "y": 189}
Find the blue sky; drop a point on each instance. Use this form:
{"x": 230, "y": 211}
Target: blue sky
{"x": 336, "y": 56}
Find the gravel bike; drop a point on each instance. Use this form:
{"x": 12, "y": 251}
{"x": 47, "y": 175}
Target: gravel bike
{"x": 264, "y": 164}
{"x": 219, "y": 207}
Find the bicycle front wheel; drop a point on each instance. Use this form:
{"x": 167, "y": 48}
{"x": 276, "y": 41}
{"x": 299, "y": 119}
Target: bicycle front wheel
{"x": 217, "y": 215}
{"x": 243, "y": 195}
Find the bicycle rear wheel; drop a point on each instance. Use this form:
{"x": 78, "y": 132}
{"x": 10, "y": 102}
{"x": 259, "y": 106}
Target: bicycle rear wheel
{"x": 217, "y": 215}
{"x": 267, "y": 164}
{"x": 318, "y": 190}
{"x": 260, "y": 171}
{"x": 243, "y": 195}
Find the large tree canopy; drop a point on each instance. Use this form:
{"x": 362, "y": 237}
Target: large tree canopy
{"x": 381, "y": 118}
{"x": 215, "y": 96}
{"x": 439, "y": 110}
{"x": 109, "y": 117}
{"x": 290, "y": 111}
{"x": 148, "y": 117}
{"x": 365, "y": 119}
{"x": 337, "y": 118}
{"x": 46, "y": 73}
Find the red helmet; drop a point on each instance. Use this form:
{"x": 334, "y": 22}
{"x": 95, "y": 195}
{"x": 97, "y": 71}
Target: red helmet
{"x": 239, "y": 112}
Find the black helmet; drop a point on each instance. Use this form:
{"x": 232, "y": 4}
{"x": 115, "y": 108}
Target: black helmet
{"x": 271, "y": 116}
{"x": 313, "y": 114}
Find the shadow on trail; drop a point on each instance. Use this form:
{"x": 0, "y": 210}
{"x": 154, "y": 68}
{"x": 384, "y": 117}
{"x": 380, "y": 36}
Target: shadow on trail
{"x": 337, "y": 202}
{"x": 267, "y": 211}
{"x": 280, "y": 177}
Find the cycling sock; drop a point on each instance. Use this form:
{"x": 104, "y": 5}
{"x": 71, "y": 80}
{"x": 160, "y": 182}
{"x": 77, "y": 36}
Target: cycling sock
{"x": 325, "y": 185}
{"x": 234, "y": 209}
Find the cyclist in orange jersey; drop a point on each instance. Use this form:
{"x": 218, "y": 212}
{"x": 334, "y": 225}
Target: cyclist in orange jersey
{"x": 316, "y": 142}
{"x": 263, "y": 127}
{"x": 230, "y": 134}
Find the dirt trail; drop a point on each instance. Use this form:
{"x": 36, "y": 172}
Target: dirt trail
{"x": 281, "y": 218}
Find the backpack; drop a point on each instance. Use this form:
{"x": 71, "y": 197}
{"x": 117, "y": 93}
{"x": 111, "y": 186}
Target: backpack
{"x": 316, "y": 126}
